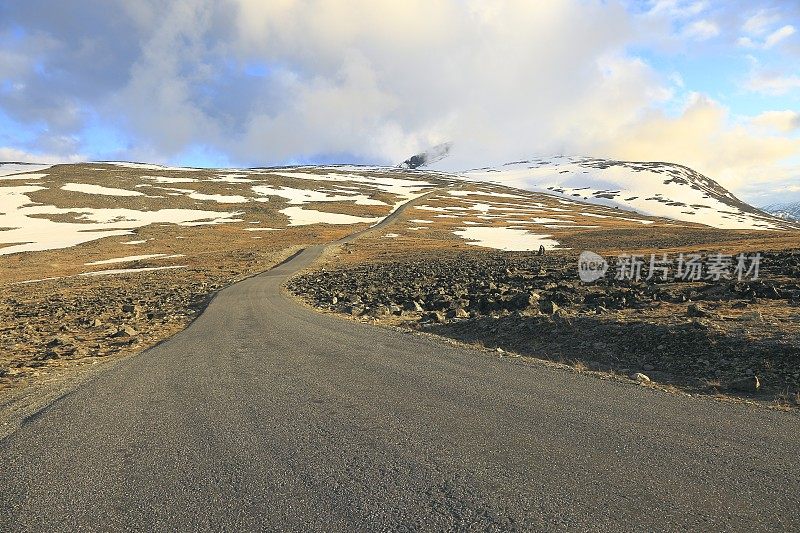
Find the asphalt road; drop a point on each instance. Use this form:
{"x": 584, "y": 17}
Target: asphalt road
{"x": 266, "y": 415}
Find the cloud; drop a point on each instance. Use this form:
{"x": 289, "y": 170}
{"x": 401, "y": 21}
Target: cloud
{"x": 762, "y": 28}
{"x": 779, "y": 35}
{"x": 249, "y": 82}
{"x": 10, "y": 154}
{"x": 778, "y": 121}
{"x": 742, "y": 155}
{"x": 677, "y": 8}
{"x": 701, "y": 30}
{"x": 746, "y": 42}
{"x": 771, "y": 82}
{"x": 760, "y": 22}
{"x": 348, "y": 77}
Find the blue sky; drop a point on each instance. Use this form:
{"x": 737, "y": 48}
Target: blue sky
{"x": 712, "y": 84}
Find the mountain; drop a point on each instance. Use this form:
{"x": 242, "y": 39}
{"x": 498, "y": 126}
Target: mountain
{"x": 787, "y": 211}
{"x": 656, "y": 189}
{"x": 44, "y": 208}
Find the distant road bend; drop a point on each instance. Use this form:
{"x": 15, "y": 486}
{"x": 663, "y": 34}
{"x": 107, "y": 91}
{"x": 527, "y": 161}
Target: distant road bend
{"x": 266, "y": 415}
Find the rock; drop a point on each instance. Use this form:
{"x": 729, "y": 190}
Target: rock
{"x": 646, "y": 367}
{"x": 414, "y": 306}
{"x": 531, "y": 311}
{"x": 752, "y": 316}
{"x": 460, "y": 313}
{"x": 661, "y": 376}
{"x": 695, "y": 310}
{"x": 133, "y": 309}
{"x": 379, "y": 311}
{"x": 746, "y": 384}
{"x": 525, "y": 300}
{"x": 434, "y": 316}
{"x": 549, "y": 307}
{"x": 125, "y": 331}
{"x": 55, "y": 341}
{"x": 640, "y": 378}
{"x": 49, "y": 354}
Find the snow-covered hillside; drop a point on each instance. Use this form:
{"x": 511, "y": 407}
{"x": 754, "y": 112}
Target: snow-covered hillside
{"x": 44, "y": 207}
{"x": 789, "y": 211}
{"x": 657, "y": 189}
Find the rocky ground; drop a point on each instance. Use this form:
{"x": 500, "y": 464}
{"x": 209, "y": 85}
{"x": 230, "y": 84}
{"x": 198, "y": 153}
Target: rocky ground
{"x": 54, "y": 333}
{"x": 718, "y": 337}
{"x": 79, "y": 321}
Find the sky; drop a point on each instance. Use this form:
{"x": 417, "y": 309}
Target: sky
{"x": 714, "y": 84}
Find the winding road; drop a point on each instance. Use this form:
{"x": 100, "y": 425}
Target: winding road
{"x": 264, "y": 414}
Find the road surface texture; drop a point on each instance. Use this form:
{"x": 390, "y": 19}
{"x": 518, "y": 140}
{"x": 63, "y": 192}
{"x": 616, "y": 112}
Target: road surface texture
{"x": 264, "y": 414}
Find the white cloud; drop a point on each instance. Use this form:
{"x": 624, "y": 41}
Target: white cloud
{"x": 762, "y": 31}
{"x": 760, "y": 22}
{"x": 389, "y": 77}
{"x": 678, "y": 8}
{"x": 9, "y": 154}
{"x": 779, "y": 35}
{"x": 701, "y": 30}
{"x": 771, "y": 82}
{"x": 778, "y": 121}
{"x": 740, "y": 154}
{"x": 379, "y": 80}
{"x": 677, "y": 80}
{"x": 746, "y": 42}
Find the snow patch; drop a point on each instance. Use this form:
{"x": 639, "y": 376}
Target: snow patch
{"x": 10, "y": 169}
{"x": 399, "y": 186}
{"x": 35, "y": 280}
{"x": 31, "y": 233}
{"x": 508, "y": 239}
{"x": 302, "y": 196}
{"x": 168, "y": 180}
{"x": 148, "y": 166}
{"x": 88, "y": 188}
{"x": 128, "y": 270}
{"x": 303, "y": 217}
{"x": 219, "y": 198}
{"x": 232, "y": 178}
{"x": 485, "y": 193}
{"x": 129, "y": 258}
